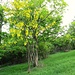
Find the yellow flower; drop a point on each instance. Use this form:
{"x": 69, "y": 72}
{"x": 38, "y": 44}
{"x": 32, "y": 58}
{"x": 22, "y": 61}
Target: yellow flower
{"x": 26, "y": 32}
{"x": 36, "y": 34}
{"x": 11, "y": 30}
{"x": 18, "y": 35}
{"x": 22, "y": 28}
{"x": 15, "y": 42}
{"x": 36, "y": 15}
{"x": 25, "y": 42}
{"x": 21, "y": 24}
{"x": 53, "y": 23}
{"x": 36, "y": 12}
{"x": 29, "y": 10}
{"x": 35, "y": 26}
{"x": 27, "y": 15}
{"x": 12, "y": 35}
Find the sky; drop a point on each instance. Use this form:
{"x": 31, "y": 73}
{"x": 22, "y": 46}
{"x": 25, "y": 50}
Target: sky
{"x": 68, "y": 14}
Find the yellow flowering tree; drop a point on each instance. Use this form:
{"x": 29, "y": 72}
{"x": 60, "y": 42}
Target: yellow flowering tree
{"x": 29, "y": 19}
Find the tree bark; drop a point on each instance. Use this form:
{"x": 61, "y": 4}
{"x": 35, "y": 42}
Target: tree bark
{"x": 32, "y": 55}
{"x": 36, "y": 59}
{"x": 28, "y": 59}
{"x": 35, "y": 64}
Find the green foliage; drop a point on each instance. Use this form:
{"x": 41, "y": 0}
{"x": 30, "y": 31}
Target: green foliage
{"x": 2, "y": 53}
{"x": 71, "y": 32}
{"x": 13, "y": 55}
{"x": 63, "y": 43}
{"x": 44, "y": 49}
{"x": 1, "y": 14}
{"x": 37, "y": 3}
{"x": 1, "y": 20}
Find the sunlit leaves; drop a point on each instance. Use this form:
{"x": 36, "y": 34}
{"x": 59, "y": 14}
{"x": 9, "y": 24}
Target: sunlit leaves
{"x": 25, "y": 42}
{"x": 29, "y": 19}
{"x": 37, "y": 3}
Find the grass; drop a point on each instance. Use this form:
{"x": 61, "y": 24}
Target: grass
{"x": 56, "y": 64}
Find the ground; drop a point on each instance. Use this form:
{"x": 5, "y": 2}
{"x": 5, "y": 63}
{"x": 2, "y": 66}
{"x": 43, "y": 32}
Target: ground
{"x": 62, "y": 63}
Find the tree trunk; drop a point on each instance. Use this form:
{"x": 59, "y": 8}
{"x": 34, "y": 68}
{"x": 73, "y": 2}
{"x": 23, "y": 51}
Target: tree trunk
{"x": 35, "y": 64}
{"x": 32, "y": 55}
{"x": 36, "y": 59}
{"x": 28, "y": 59}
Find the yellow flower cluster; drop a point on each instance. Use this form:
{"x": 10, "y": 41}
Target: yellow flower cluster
{"x": 20, "y": 24}
{"x": 26, "y": 32}
{"x": 36, "y": 34}
{"x": 16, "y": 4}
{"x": 12, "y": 30}
{"x": 27, "y": 12}
{"x": 12, "y": 35}
{"x": 20, "y": 4}
{"x": 25, "y": 42}
{"x": 53, "y": 23}
{"x": 15, "y": 42}
{"x": 50, "y": 25}
{"x": 18, "y": 34}
{"x": 36, "y": 15}
{"x": 34, "y": 24}
{"x": 27, "y": 15}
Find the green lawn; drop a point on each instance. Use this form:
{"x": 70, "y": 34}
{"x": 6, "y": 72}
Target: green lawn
{"x": 55, "y": 64}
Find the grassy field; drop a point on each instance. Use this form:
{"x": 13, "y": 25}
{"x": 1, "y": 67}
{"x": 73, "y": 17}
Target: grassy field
{"x": 55, "y": 64}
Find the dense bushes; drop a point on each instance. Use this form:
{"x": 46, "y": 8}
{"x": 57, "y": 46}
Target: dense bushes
{"x": 44, "y": 49}
{"x": 13, "y": 55}
{"x": 17, "y": 54}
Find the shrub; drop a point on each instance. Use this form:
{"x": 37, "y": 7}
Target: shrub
{"x": 13, "y": 55}
{"x": 44, "y": 49}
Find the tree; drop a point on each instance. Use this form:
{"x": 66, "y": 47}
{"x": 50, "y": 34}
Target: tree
{"x": 71, "y": 31}
{"x": 29, "y": 19}
{"x": 1, "y": 20}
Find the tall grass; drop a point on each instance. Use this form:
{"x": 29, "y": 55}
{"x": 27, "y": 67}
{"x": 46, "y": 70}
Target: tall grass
{"x": 55, "y": 64}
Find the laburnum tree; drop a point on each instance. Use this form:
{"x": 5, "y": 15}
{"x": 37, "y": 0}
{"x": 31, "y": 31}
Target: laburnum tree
{"x": 29, "y": 19}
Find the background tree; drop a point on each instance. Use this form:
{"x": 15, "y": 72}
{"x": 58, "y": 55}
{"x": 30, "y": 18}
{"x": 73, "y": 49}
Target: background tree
{"x": 71, "y": 31}
{"x": 1, "y": 20}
